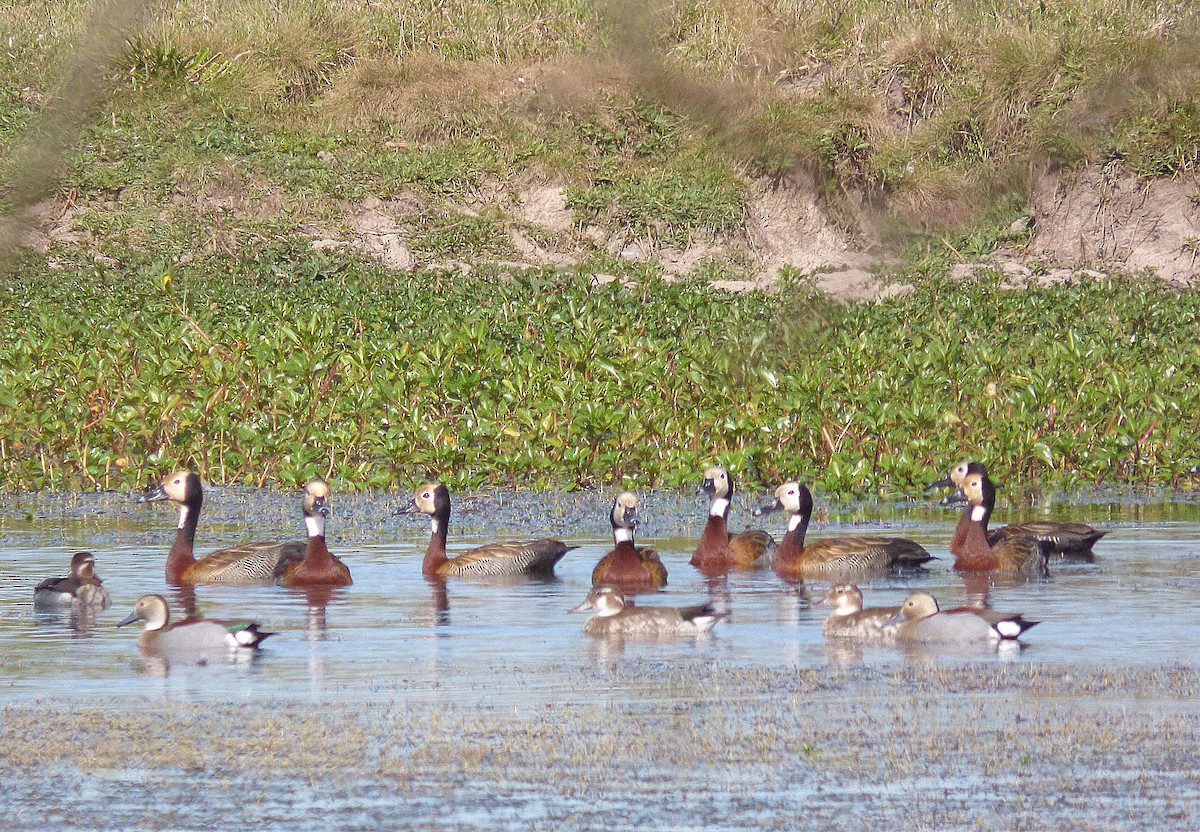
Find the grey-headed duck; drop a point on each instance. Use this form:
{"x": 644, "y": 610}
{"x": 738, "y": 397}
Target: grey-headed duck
{"x": 921, "y": 620}
{"x": 853, "y": 554}
{"x": 720, "y": 549}
{"x": 615, "y": 617}
{"x": 193, "y": 640}
{"x": 518, "y": 557}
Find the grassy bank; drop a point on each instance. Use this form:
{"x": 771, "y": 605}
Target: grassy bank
{"x": 109, "y": 377}
{"x": 911, "y": 121}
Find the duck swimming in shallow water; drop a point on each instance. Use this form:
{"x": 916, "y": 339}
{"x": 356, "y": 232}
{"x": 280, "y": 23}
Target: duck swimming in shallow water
{"x": 720, "y": 549}
{"x": 921, "y": 620}
{"x": 852, "y": 554}
{"x": 850, "y": 620}
{"x": 615, "y": 617}
{"x": 81, "y": 587}
{"x": 629, "y": 567}
{"x": 194, "y": 640}
{"x": 970, "y": 547}
{"x": 517, "y": 557}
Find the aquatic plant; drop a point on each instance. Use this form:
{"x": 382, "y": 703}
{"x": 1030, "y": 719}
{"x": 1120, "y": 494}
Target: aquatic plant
{"x": 292, "y": 362}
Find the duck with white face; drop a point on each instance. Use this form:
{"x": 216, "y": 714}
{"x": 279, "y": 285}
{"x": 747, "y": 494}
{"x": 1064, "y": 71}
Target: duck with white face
{"x": 970, "y": 546}
{"x": 850, "y": 555}
{"x": 629, "y": 567}
{"x": 719, "y": 549}
{"x": 515, "y": 557}
{"x": 247, "y": 564}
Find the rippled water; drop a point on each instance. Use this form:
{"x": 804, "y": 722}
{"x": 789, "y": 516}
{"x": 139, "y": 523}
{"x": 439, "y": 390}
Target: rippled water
{"x": 393, "y": 635}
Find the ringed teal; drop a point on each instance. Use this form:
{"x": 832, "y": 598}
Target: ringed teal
{"x": 629, "y": 567}
{"x": 194, "y": 640}
{"x": 80, "y": 588}
{"x": 852, "y": 554}
{"x": 247, "y": 564}
{"x": 316, "y": 565}
{"x": 615, "y": 617}
{"x": 970, "y": 546}
{"x": 518, "y": 557}
{"x": 921, "y": 620}
{"x": 1071, "y": 540}
{"x": 720, "y": 549}
{"x": 850, "y": 620}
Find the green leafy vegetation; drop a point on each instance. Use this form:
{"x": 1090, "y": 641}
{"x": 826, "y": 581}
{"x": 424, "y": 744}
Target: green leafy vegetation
{"x": 280, "y": 365}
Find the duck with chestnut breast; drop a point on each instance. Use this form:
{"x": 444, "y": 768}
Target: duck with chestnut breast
{"x": 248, "y": 564}
{"x": 194, "y": 640}
{"x": 80, "y": 588}
{"x": 615, "y": 617}
{"x": 1072, "y": 540}
{"x": 921, "y": 620}
{"x": 629, "y": 567}
{"x": 970, "y": 547}
{"x": 720, "y": 549}
{"x": 853, "y": 554}
{"x": 850, "y": 620}
{"x": 316, "y": 566}
{"x": 518, "y": 557}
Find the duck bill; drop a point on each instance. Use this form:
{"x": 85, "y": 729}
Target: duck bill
{"x": 707, "y": 487}
{"x": 944, "y": 482}
{"x": 774, "y": 505}
{"x": 129, "y": 619}
{"x": 411, "y": 508}
{"x": 957, "y": 498}
{"x": 156, "y": 496}
{"x": 586, "y": 606}
{"x": 895, "y": 619}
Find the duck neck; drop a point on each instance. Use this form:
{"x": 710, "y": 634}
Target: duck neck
{"x": 973, "y": 550}
{"x": 435, "y": 552}
{"x": 792, "y": 545}
{"x": 317, "y": 555}
{"x": 182, "y": 554}
{"x": 624, "y": 548}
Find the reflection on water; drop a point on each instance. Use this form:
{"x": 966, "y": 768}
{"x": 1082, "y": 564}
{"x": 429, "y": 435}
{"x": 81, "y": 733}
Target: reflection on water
{"x": 396, "y": 634}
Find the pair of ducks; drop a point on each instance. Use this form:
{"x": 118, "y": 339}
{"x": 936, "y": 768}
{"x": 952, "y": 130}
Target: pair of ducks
{"x": 1018, "y": 547}
{"x": 918, "y": 620}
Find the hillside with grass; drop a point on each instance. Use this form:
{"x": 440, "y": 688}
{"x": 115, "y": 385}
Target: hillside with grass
{"x": 385, "y": 241}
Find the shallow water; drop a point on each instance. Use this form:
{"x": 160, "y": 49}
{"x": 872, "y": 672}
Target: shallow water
{"x": 493, "y": 687}
{"x": 394, "y": 634}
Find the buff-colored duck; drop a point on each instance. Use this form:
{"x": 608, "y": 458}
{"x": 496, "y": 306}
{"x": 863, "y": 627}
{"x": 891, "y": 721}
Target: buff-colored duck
{"x": 853, "y": 554}
{"x": 193, "y": 640}
{"x": 246, "y": 564}
{"x": 921, "y": 620}
{"x": 720, "y": 549}
{"x": 81, "y": 588}
{"x": 1072, "y": 540}
{"x": 850, "y": 620}
{"x": 970, "y": 547}
{"x": 615, "y": 617}
{"x": 629, "y": 567}
{"x": 518, "y": 557}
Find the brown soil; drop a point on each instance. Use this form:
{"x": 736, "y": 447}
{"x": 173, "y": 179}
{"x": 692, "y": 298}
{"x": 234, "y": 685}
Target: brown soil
{"x": 1082, "y": 225}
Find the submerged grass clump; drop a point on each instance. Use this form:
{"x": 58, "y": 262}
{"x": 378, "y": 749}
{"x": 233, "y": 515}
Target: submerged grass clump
{"x": 283, "y": 365}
